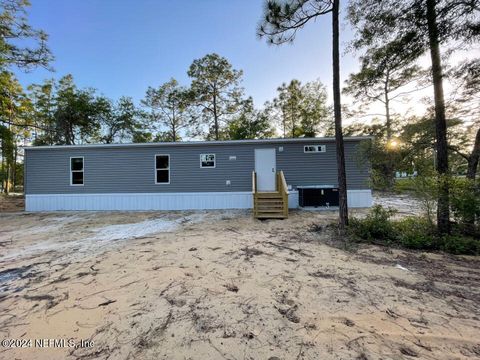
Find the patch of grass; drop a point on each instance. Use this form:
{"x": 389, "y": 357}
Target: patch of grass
{"x": 405, "y": 185}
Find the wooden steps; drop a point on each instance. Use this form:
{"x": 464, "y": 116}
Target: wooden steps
{"x": 271, "y": 205}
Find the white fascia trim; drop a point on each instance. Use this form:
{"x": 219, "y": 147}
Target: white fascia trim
{"x": 206, "y": 143}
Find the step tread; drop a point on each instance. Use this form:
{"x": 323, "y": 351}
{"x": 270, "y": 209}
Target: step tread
{"x": 271, "y": 216}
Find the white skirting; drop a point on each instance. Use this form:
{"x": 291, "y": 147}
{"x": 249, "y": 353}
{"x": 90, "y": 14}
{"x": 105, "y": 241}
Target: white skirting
{"x": 164, "y": 201}
{"x": 359, "y": 198}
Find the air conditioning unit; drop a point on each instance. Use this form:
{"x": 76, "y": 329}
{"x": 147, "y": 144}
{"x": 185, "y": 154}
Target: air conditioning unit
{"x": 318, "y": 196}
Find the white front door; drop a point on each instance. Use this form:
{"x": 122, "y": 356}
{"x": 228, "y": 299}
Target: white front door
{"x": 266, "y": 169}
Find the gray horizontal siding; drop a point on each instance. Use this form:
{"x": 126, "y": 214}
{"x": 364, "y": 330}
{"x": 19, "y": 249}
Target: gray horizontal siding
{"x": 131, "y": 169}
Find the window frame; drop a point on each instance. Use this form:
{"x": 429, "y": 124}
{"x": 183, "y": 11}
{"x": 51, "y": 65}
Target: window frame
{"x": 72, "y": 171}
{"x": 317, "y": 147}
{"x": 214, "y": 161}
{"x": 155, "y": 169}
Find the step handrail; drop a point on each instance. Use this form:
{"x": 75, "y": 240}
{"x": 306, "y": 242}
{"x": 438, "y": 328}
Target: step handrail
{"x": 283, "y": 188}
{"x": 254, "y": 182}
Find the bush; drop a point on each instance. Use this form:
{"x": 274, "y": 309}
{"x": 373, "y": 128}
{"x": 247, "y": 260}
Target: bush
{"x": 459, "y": 245}
{"x": 412, "y": 232}
{"x": 375, "y": 226}
{"x": 465, "y": 204}
{"x": 464, "y": 200}
{"x": 415, "y": 233}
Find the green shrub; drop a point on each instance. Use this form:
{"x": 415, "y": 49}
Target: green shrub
{"x": 464, "y": 200}
{"x": 415, "y": 233}
{"x": 459, "y": 245}
{"x": 412, "y": 232}
{"x": 375, "y": 226}
{"x": 465, "y": 204}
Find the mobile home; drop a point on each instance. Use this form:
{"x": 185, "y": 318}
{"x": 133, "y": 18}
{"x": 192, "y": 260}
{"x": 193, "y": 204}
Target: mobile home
{"x": 192, "y": 175}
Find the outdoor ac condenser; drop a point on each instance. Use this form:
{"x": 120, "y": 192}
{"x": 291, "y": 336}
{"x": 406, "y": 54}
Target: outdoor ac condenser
{"x": 317, "y": 196}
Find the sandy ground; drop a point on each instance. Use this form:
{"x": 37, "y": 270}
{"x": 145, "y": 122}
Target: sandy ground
{"x": 11, "y": 203}
{"x": 220, "y": 285}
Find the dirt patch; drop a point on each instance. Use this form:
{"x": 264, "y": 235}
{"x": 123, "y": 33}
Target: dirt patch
{"x": 221, "y": 285}
{"x": 11, "y": 203}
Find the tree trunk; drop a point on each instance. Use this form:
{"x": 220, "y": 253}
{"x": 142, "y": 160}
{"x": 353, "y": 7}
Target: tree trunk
{"x": 443, "y": 209}
{"x": 2, "y": 164}
{"x": 14, "y": 172}
{"x": 292, "y": 114}
{"x": 215, "y": 114}
{"x": 390, "y": 164}
{"x": 342, "y": 178}
{"x": 474, "y": 158}
{"x": 388, "y": 121}
{"x": 173, "y": 123}
{"x": 7, "y": 183}
{"x": 69, "y": 138}
{"x": 3, "y": 170}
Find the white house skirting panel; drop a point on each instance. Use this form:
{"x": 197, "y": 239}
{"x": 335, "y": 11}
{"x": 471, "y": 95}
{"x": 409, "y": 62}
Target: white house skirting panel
{"x": 165, "y": 201}
{"x": 292, "y": 199}
{"x": 139, "y": 201}
{"x": 359, "y": 198}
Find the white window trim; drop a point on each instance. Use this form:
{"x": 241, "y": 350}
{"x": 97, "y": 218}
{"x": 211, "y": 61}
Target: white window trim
{"x": 214, "y": 161}
{"x": 71, "y": 171}
{"x": 155, "y": 169}
{"x": 314, "y": 152}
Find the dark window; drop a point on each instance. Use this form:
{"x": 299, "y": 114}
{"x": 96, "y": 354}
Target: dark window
{"x": 162, "y": 161}
{"x": 207, "y": 160}
{"x": 162, "y": 169}
{"x": 162, "y": 176}
{"x": 76, "y": 171}
{"x": 77, "y": 164}
{"x": 77, "y": 178}
{"x": 314, "y": 148}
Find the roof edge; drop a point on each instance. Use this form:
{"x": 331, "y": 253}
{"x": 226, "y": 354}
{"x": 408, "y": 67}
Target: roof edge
{"x": 192, "y": 143}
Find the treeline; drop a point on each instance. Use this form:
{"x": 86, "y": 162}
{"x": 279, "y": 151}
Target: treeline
{"x": 212, "y": 107}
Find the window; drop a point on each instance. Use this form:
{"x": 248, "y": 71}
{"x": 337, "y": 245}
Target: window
{"x": 207, "y": 160}
{"x": 162, "y": 169}
{"x": 314, "y": 148}
{"x": 76, "y": 171}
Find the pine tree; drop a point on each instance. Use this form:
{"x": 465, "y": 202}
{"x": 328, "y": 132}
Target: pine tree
{"x": 281, "y": 21}
{"x": 216, "y": 91}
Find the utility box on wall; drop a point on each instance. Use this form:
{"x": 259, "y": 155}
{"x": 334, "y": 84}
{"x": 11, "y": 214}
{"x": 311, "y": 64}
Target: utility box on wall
{"x": 318, "y": 196}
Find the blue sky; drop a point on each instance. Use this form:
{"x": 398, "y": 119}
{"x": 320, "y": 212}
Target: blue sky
{"x": 120, "y": 47}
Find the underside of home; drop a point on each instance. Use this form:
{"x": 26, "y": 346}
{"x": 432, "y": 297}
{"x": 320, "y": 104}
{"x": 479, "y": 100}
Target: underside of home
{"x": 267, "y": 176}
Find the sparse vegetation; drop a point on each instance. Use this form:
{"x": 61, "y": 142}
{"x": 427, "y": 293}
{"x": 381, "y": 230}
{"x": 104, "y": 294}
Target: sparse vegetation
{"x": 379, "y": 227}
